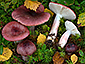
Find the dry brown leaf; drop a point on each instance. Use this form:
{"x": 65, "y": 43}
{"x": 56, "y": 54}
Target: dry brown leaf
{"x": 57, "y": 59}
{"x": 74, "y": 58}
{"x": 32, "y": 5}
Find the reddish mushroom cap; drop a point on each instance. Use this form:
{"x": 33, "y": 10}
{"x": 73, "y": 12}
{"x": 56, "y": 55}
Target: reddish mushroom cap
{"x": 26, "y": 48}
{"x": 14, "y": 31}
{"x": 29, "y": 18}
{"x": 70, "y": 47}
{"x": 40, "y": 9}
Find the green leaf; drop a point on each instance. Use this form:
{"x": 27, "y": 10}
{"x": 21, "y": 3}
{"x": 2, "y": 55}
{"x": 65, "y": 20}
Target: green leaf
{"x": 82, "y": 3}
{"x": 76, "y": 2}
{"x": 14, "y": 1}
{"x": 44, "y": 0}
{"x": 33, "y": 0}
{"x": 66, "y": 2}
{"x": 53, "y": 0}
{"x": 2, "y": 3}
{"x": 43, "y": 47}
{"x": 1, "y": 49}
{"x": 82, "y": 61}
{"x": 36, "y": 32}
{"x": 81, "y": 53}
{"x": 62, "y": 54}
{"x": 59, "y": 48}
{"x": 77, "y": 7}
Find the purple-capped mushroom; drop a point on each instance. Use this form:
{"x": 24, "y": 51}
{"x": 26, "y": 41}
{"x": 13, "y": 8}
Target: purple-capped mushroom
{"x": 60, "y": 11}
{"x": 26, "y": 47}
{"x": 14, "y": 31}
{"x": 40, "y": 9}
{"x": 70, "y": 48}
{"x": 30, "y": 18}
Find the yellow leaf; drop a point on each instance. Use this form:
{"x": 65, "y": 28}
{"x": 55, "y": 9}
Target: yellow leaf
{"x": 2, "y": 58}
{"x": 41, "y": 38}
{"x": 32, "y": 5}
{"x": 49, "y": 11}
{"x": 6, "y": 54}
{"x": 74, "y": 58}
{"x": 81, "y": 20}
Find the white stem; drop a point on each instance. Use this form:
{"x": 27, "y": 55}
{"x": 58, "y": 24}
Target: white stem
{"x": 64, "y": 38}
{"x": 54, "y": 27}
{"x": 25, "y": 58}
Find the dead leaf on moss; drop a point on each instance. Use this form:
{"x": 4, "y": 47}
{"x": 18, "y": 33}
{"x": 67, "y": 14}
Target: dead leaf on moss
{"x": 6, "y": 54}
{"x": 74, "y": 58}
{"x": 81, "y": 20}
{"x": 57, "y": 59}
{"x": 32, "y": 5}
{"x": 41, "y": 38}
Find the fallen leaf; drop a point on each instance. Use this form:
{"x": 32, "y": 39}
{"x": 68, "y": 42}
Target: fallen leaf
{"x": 41, "y": 38}
{"x": 32, "y": 5}
{"x": 74, "y": 58}
{"x": 49, "y": 11}
{"x": 81, "y": 20}
{"x": 57, "y": 59}
{"x": 6, "y": 54}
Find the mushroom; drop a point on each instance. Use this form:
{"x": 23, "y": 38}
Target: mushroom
{"x": 70, "y": 48}
{"x": 71, "y": 29}
{"x": 29, "y": 17}
{"x": 25, "y": 48}
{"x": 60, "y": 11}
{"x": 14, "y": 31}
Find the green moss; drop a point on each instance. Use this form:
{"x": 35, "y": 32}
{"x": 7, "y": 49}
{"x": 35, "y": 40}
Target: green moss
{"x": 43, "y": 54}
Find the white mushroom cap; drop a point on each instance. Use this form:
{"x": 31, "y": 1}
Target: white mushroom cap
{"x": 70, "y": 26}
{"x": 66, "y": 12}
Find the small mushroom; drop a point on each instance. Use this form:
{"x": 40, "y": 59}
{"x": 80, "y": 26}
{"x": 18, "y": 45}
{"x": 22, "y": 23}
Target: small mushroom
{"x": 71, "y": 29}
{"x": 25, "y": 48}
{"x": 14, "y": 31}
{"x": 70, "y": 48}
{"x": 60, "y": 11}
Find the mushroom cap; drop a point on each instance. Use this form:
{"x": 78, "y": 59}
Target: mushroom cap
{"x": 30, "y": 18}
{"x": 64, "y": 11}
{"x": 70, "y": 26}
{"x": 14, "y": 31}
{"x": 40, "y": 9}
{"x": 26, "y": 48}
{"x": 70, "y": 48}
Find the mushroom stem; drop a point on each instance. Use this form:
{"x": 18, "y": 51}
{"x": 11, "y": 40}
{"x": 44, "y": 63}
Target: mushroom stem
{"x": 32, "y": 28}
{"x": 25, "y": 58}
{"x": 64, "y": 38}
{"x": 17, "y": 41}
{"x": 53, "y": 32}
